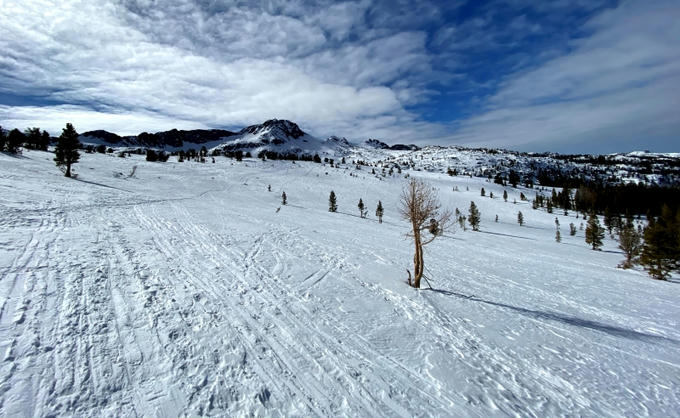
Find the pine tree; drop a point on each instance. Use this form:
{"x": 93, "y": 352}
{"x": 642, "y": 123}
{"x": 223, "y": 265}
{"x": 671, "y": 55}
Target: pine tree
{"x": 3, "y": 139}
{"x": 594, "y": 232}
{"x": 661, "y": 250}
{"x": 284, "y": 198}
{"x": 379, "y": 211}
{"x": 608, "y": 220}
{"x": 361, "y": 207}
{"x": 44, "y": 141}
{"x": 474, "y": 217}
{"x": 14, "y": 141}
{"x": 332, "y": 202}
{"x": 629, "y": 243}
{"x": 483, "y": 192}
{"x": 505, "y": 195}
{"x": 33, "y": 137}
{"x": 66, "y": 151}
{"x": 520, "y": 218}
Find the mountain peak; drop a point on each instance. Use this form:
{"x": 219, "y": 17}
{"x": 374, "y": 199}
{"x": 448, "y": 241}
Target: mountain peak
{"x": 275, "y": 129}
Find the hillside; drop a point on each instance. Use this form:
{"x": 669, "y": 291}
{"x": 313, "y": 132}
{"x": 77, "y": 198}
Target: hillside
{"x": 185, "y": 288}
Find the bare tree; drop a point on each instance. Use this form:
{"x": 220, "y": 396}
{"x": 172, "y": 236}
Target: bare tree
{"x": 421, "y": 207}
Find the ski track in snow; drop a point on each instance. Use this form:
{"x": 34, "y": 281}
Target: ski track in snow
{"x": 150, "y": 297}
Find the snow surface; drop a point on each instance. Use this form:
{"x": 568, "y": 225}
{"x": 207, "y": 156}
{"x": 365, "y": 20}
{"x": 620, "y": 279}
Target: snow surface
{"x": 181, "y": 290}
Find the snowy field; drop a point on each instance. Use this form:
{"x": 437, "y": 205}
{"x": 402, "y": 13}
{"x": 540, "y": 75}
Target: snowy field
{"x": 181, "y": 290}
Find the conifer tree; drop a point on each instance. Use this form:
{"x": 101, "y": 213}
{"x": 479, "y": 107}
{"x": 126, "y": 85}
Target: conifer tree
{"x": 661, "y": 250}
{"x": 3, "y": 139}
{"x": 66, "y": 151}
{"x": 332, "y": 202}
{"x": 32, "y": 138}
{"x": 629, "y": 243}
{"x": 483, "y": 192}
{"x": 520, "y": 218}
{"x": 361, "y": 207}
{"x": 379, "y": 211}
{"x": 608, "y": 219}
{"x": 284, "y": 198}
{"x": 44, "y": 141}
{"x": 505, "y": 195}
{"x": 594, "y": 232}
{"x": 474, "y": 216}
{"x": 14, "y": 141}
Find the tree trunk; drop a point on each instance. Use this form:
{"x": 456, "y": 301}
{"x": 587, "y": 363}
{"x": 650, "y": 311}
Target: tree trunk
{"x": 417, "y": 262}
{"x": 68, "y": 170}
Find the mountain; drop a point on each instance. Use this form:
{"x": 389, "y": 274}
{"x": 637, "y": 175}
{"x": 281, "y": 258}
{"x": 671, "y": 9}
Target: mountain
{"x": 374, "y": 143}
{"x": 174, "y": 138}
{"x": 274, "y": 135}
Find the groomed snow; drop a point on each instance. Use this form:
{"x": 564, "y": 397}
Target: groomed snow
{"x": 181, "y": 291}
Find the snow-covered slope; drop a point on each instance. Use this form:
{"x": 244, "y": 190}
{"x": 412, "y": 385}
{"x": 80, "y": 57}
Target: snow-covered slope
{"x": 184, "y": 288}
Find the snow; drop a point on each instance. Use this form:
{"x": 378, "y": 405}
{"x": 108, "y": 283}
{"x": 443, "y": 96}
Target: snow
{"x": 181, "y": 290}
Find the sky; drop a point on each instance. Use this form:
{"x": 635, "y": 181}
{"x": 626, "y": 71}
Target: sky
{"x": 567, "y": 76}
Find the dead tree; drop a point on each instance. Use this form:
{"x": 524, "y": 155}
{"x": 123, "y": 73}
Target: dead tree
{"x": 421, "y": 207}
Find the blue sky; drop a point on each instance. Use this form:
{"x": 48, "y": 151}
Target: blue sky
{"x": 568, "y": 76}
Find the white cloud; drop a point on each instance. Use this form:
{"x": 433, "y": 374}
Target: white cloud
{"x": 122, "y": 68}
{"x": 349, "y": 68}
{"x": 617, "y": 87}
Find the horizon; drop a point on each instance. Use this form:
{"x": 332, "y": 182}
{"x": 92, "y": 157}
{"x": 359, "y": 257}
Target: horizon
{"x": 595, "y": 78}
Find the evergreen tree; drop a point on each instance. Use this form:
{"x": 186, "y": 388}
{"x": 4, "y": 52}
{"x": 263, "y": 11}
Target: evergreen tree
{"x": 483, "y": 192}
{"x": 608, "y": 219}
{"x": 44, "y": 141}
{"x": 3, "y": 139}
{"x": 14, "y": 141}
{"x": 284, "y": 198}
{"x": 594, "y": 232}
{"x": 361, "y": 207}
{"x": 32, "y": 137}
{"x": 379, "y": 211}
{"x": 661, "y": 250}
{"x": 474, "y": 216}
{"x": 66, "y": 151}
{"x": 332, "y": 202}
{"x": 505, "y": 195}
{"x": 520, "y": 218}
{"x": 513, "y": 178}
{"x": 629, "y": 243}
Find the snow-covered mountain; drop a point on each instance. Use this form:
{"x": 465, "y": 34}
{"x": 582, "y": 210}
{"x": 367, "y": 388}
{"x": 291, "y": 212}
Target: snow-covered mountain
{"x": 286, "y": 137}
{"x": 281, "y": 136}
